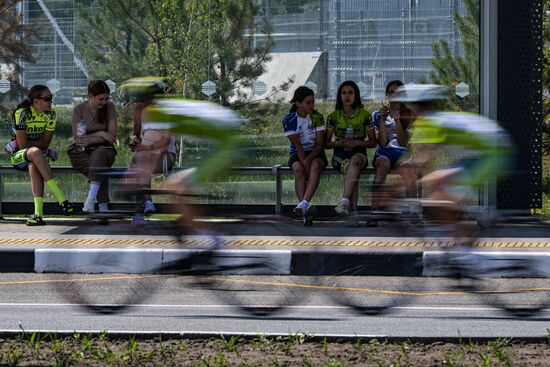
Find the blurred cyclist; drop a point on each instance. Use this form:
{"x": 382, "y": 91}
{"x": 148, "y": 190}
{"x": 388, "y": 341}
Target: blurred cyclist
{"x": 198, "y": 119}
{"x": 482, "y": 145}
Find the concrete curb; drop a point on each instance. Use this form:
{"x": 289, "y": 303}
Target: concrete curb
{"x": 276, "y": 262}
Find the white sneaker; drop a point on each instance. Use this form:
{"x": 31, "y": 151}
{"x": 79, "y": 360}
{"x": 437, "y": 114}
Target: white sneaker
{"x": 89, "y": 206}
{"x": 149, "y": 207}
{"x": 342, "y": 208}
{"x": 301, "y": 209}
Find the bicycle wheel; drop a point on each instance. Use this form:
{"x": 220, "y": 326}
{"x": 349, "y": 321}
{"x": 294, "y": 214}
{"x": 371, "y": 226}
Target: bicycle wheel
{"x": 377, "y": 278}
{"x": 517, "y": 282}
{"x": 111, "y": 267}
{"x": 251, "y": 269}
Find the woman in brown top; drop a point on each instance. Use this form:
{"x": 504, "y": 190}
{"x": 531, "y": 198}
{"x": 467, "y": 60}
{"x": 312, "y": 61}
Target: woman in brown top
{"x": 94, "y": 151}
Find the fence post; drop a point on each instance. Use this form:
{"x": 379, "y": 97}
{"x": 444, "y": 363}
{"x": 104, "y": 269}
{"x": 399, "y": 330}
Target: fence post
{"x": 278, "y": 189}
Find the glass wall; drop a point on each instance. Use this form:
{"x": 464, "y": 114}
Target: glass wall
{"x": 318, "y": 43}
{"x": 372, "y": 41}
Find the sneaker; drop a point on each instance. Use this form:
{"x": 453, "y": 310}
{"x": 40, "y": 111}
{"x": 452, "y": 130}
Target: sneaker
{"x": 301, "y": 209}
{"x": 311, "y": 212}
{"x": 342, "y": 208}
{"x": 149, "y": 207}
{"x": 89, "y": 206}
{"x": 138, "y": 220}
{"x": 67, "y": 208}
{"x": 35, "y": 220}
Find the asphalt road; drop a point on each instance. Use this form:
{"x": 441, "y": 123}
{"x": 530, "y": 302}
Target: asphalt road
{"x": 34, "y": 302}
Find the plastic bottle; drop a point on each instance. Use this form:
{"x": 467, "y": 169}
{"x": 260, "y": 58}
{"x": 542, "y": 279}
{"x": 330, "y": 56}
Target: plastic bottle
{"x": 80, "y": 132}
{"x": 11, "y": 147}
{"x": 348, "y": 135}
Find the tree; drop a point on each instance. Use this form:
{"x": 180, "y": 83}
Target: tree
{"x": 187, "y": 41}
{"x": 450, "y": 69}
{"x": 546, "y": 78}
{"x": 15, "y": 41}
{"x": 114, "y": 39}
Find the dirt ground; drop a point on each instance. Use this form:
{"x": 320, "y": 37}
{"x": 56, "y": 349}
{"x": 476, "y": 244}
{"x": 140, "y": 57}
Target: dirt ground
{"x": 83, "y": 350}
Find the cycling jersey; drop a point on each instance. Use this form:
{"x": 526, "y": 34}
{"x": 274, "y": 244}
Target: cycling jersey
{"x": 34, "y": 123}
{"x": 305, "y": 127}
{"x": 359, "y": 121}
{"x": 484, "y": 146}
{"x": 203, "y": 120}
{"x": 391, "y": 130}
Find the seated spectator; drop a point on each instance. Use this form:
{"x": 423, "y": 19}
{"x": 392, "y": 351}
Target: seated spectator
{"x": 94, "y": 151}
{"x": 34, "y": 122}
{"x": 350, "y": 126}
{"x": 305, "y": 129}
{"x": 392, "y": 124}
{"x": 155, "y": 150}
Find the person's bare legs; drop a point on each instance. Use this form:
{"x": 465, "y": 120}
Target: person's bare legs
{"x": 36, "y": 156}
{"x": 354, "y": 199}
{"x": 313, "y": 179}
{"x": 382, "y": 166}
{"x": 37, "y": 182}
{"x": 352, "y": 175}
{"x": 299, "y": 179}
{"x": 407, "y": 170}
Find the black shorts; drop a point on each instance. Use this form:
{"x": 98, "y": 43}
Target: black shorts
{"x": 340, "y": 155}
{"x": 294, "y": 158}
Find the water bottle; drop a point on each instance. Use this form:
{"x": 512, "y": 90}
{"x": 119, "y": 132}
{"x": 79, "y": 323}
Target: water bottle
{"x": 80, "y": 132}
{"x": 11, "y": 147}
{"x": 348, "y": 135}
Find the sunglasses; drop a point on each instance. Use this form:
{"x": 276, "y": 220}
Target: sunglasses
{"x": 46, "y": 98}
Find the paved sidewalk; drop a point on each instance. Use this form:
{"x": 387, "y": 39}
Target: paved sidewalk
{"x": 57, "y": 246}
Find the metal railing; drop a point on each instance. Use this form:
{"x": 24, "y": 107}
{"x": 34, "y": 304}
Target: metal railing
{"x": 277, "y": 171}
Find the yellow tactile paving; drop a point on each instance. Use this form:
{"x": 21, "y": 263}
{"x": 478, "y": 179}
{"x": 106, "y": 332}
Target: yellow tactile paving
{"x": 284, "y": 242}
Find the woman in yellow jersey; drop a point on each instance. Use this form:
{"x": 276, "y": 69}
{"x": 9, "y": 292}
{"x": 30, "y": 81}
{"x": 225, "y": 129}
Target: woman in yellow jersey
{"x": 349, "y": 133}
{"x": 34, "y": 122}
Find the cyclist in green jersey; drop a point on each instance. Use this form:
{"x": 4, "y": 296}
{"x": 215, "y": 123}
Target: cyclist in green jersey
{"x": 483, "y": 148}
{"x": 198, "y": 119}
{"x": 34, "y": 122}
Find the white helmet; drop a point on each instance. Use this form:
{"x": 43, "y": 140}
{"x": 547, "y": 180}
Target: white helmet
{"x": 418, "y": 93}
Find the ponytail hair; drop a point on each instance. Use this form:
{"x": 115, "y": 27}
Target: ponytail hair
{"x": 299, "y": 95}
{"x": 34, "y": 93}
{"x": 97, "y": 87}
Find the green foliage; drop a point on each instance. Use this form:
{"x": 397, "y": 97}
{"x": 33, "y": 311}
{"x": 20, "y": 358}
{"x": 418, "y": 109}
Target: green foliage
{"x": 451, "y": 68}
{"x": 15, "y": 40}
{"x": 546, "y": 77}
{"x": 185, "y": 41}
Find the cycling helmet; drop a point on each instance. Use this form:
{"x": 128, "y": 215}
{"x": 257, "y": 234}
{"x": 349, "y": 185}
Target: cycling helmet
{"x": 138, "y": 89}
{"x": 418, "y": 93}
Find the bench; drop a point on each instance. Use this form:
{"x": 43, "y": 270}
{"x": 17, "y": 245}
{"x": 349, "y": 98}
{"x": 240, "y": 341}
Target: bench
{"x": 277, "y": 171}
